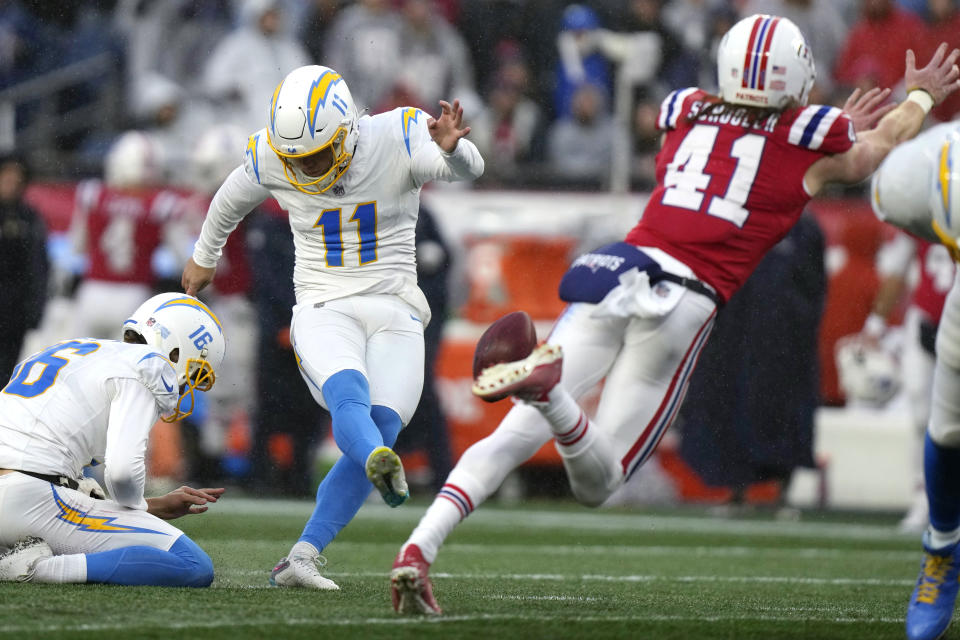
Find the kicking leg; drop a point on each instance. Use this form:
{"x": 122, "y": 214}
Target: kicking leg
{"x": 479, "y": 472}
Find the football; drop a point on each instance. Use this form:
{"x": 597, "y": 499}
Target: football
{"x": 510, "y": 338}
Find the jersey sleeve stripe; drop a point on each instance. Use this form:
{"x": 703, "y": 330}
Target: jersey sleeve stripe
{"x": 827, "y": 120}
{"x": 670, "y": 108}
{"x": 812, "y": 125}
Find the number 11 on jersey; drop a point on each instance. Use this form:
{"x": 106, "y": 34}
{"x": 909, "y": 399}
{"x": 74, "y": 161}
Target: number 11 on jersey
{"x": 365, "y": 215}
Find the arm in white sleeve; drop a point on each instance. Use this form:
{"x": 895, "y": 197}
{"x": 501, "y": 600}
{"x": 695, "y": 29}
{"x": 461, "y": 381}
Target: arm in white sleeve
{"x": 895, "y": 256}
{"x": 235, "y": 198}
{"x": 430, "y": 162}
{"x": 133, "y": 412}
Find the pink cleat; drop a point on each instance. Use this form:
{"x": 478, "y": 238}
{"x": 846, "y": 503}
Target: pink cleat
{"x": 530, "y": 379}
{"x": 410, "y": 587}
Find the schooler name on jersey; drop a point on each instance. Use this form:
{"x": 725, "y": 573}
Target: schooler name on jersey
{"x": 712, "y": 113}
{"x": 693, "y": 104}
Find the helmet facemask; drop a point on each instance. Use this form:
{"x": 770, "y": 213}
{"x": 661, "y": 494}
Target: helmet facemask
{"x": 313, "y": 184}
{"x": 200, "y": 377}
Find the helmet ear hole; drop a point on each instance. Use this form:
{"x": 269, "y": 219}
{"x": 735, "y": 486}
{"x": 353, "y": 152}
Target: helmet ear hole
{"x": 175, "y": 355}
{"x": 132, "y": 337}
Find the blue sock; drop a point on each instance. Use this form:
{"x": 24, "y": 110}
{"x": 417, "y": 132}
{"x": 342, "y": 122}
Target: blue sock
{"x": 347, "y": 394}
{"x": 184, "y": 565}
{"x": 942, "y": 470}
{"x": 339, "y": 497}
{"x": 388, "y": 422}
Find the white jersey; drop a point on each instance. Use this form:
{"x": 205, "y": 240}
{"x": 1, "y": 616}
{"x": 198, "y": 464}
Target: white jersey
{"x": 358, "y": 237}
{"x": 87, "y": 401}
{"x": 901, "y": 186}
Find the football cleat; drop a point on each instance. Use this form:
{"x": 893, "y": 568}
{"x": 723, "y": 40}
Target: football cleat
{"x": 410, "y": 587}
{"x": 385, "y": 471}
{"x": 530, "y": 379}
{"x": 931, "y": 605}
{"x": 17, "y": 564}
{"x": 302, "y": 570}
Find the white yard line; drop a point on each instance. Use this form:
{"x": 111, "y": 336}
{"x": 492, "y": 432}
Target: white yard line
{"x": 586, "y": 520}
{"x": 572, "y": 578}
{"x": 805, "y": 553}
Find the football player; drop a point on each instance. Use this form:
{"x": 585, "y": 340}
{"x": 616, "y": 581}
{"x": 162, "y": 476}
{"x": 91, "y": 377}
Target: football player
{"x": 915, "y": 189}
{"x": 86, "y": 401}
{"x": 733, "y": 175}
{"x": 936, "y": 271}
{"x": 118, "y": 223}
{"x": 351, "y": 186}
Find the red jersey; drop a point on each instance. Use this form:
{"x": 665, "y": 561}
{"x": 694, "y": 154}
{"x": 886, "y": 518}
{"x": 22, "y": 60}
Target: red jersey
{"x": 233, "y": 271}
{"x": 937, "y": 270}
{"x": 123, "y": 229}
{"x": 728, "y": 191}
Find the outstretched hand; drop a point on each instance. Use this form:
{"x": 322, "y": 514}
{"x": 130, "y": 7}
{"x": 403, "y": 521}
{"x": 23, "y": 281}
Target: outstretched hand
{"x": 182, "y": 501}
{"x": 447, "y": 130}
{"x": 866, "y": 110}
{"x": 939, "y": 78}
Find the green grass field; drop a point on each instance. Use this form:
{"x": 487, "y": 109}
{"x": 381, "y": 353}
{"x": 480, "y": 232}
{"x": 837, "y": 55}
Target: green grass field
{"x": 543, "y": 570}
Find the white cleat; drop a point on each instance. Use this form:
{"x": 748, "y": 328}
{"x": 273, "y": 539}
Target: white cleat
{"x": 385, "y": 472}
{"x": 17, "y": 564}
{"x": 301, "y": 570}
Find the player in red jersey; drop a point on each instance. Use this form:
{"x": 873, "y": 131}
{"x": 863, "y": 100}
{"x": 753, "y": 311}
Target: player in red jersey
{"x": 118, "y": 224}
{"x": 733, "y": 174}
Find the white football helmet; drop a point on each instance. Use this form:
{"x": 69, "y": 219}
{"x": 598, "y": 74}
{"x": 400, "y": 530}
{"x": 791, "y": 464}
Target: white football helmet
{"x": 217, "y": 152}
{"x": 312, "y": 110}
{"x": 134, "y": 160}
{"x": 945, "y": 194}
{"x": 764, "y": 61}
{"x": 177, "y": 322}
{"x": 867, "y": 372}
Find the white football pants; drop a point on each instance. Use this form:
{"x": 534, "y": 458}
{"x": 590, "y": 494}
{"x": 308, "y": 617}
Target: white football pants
{"x": 646, "y": 364}
{"x": 378, "y": 335}
{"x": 72, "y": 522}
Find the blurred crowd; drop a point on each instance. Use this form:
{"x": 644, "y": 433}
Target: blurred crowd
{"x": 542, "y": 83}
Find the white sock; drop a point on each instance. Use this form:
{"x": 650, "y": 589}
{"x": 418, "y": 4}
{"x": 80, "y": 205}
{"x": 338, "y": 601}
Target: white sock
{"x": 940, "y": 539}
{"x": 68, "y": 569}
{"x": 561, "y": 411}
{"x": 457, "y": 499}
{"x": 303, "y": 548}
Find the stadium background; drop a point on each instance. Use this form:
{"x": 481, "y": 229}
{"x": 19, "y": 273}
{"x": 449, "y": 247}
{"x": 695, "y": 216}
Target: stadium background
{"x": 78, "y": 74}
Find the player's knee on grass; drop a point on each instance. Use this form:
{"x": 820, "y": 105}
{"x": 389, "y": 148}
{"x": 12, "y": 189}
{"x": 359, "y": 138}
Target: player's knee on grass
{"x": 199, "y": 566}
{"x": 388, "y": 422}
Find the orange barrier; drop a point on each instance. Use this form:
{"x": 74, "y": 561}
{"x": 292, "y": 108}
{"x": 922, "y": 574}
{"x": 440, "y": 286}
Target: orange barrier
{"x": 510, "y": 273}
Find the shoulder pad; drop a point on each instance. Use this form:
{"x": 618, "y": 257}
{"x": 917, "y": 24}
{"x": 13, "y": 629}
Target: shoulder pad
{"x": 822, "y": 128}
{"x": 253, "y": 154}
{"x": 158, "y": 375}
{"x": 87, "y": 194}
{"x": 673, "y": 106}
{"x": 410, "y": 119}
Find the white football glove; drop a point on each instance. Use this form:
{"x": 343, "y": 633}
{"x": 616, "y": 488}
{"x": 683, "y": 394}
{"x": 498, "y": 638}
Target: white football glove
{"x": 91, "y": 487}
